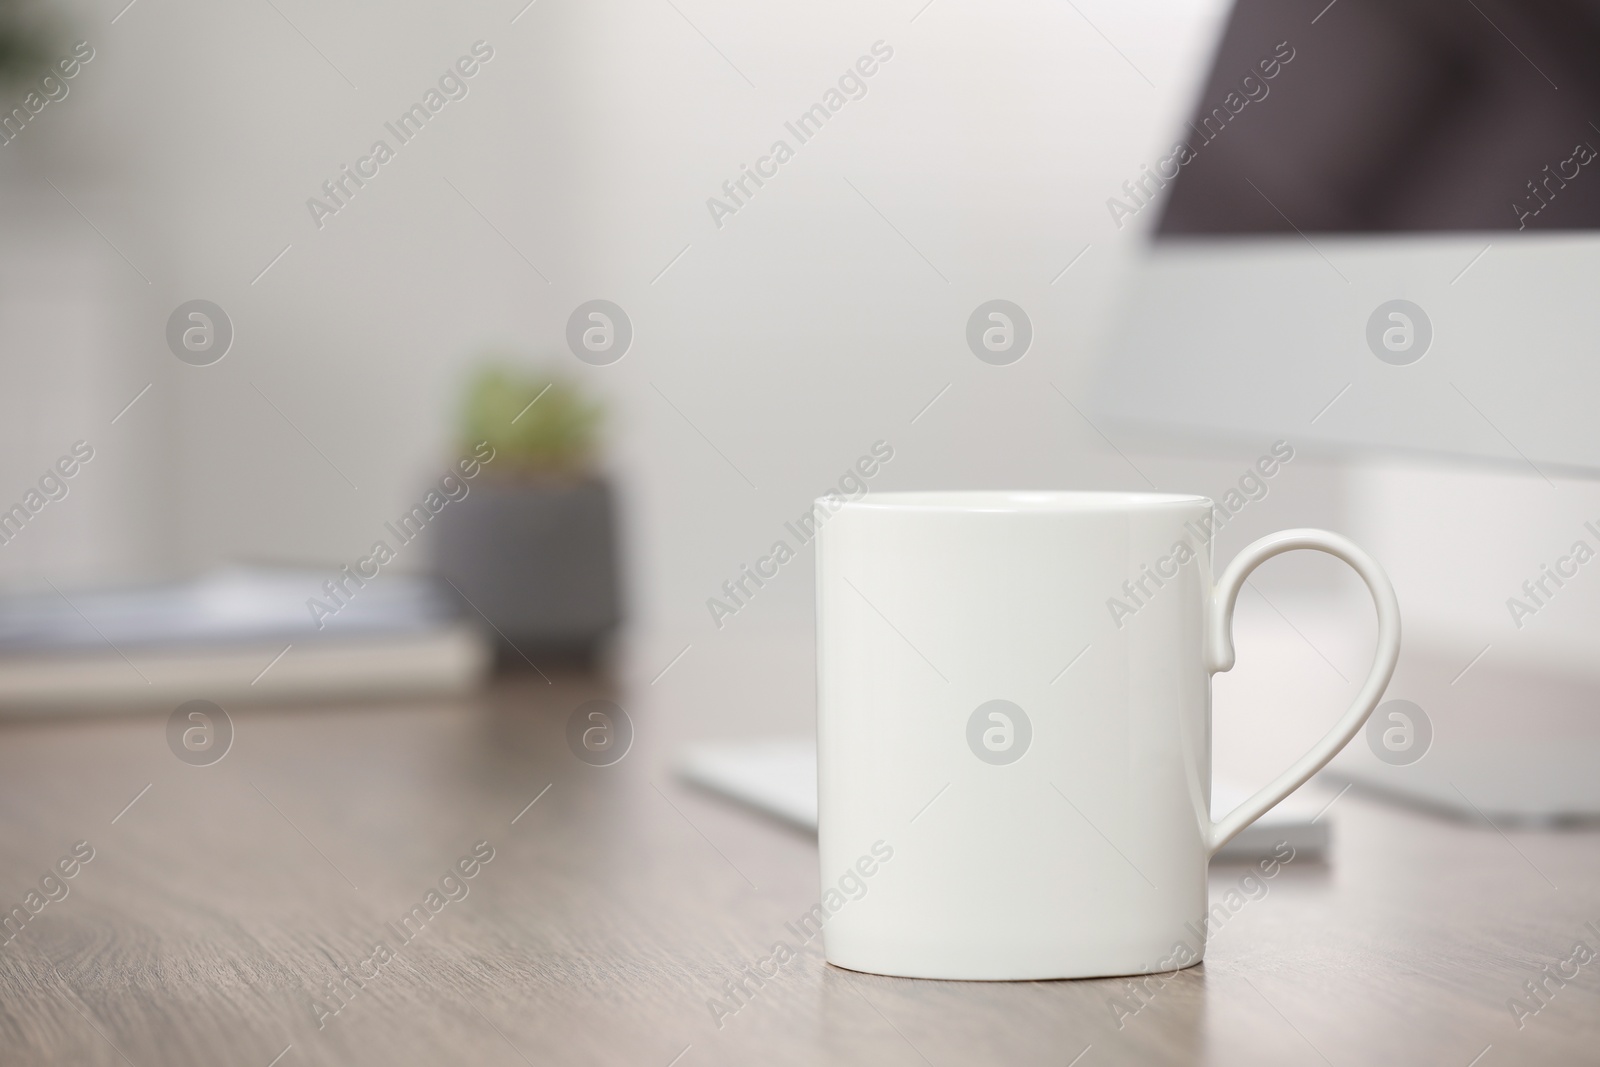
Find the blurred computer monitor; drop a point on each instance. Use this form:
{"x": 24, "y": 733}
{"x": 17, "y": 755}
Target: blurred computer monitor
{"x": 1378, "y": 230}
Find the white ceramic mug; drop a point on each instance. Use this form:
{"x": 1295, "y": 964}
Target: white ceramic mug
{"x": 1014, "y": 728}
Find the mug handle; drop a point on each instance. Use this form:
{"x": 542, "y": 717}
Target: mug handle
{"x": 1219, "y": 641}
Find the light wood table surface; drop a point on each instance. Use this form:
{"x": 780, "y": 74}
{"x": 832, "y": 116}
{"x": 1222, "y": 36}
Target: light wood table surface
{"x": 219, "y": 903}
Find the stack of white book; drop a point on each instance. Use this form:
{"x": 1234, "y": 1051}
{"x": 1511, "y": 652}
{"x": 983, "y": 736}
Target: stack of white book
{"x": 236, "y": 634}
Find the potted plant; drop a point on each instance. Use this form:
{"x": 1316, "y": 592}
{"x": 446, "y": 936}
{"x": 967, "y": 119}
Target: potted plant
{"x": 532, "y": 547}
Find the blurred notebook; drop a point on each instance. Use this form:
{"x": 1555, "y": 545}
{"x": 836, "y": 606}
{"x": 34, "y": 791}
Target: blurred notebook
{"x": 235, "y": 634}
{"x": 778, "y": 777}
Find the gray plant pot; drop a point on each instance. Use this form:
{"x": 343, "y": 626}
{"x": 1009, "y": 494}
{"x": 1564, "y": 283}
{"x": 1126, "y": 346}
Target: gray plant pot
{"x": 540, "y": 561}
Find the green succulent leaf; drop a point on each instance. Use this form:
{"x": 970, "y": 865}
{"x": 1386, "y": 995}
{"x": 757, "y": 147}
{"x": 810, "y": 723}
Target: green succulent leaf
{"x": 538, "y": 423}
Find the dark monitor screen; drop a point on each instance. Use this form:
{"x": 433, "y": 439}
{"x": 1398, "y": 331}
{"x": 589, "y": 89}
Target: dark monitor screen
{"x": 1393, "y": 116}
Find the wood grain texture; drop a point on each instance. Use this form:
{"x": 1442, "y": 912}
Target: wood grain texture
{"x": 218, "y": 905}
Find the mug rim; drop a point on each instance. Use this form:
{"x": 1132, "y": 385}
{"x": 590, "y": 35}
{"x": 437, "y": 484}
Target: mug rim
{"x": 1020, "y": 501}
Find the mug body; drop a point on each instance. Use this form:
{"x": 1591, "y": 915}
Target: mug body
{"x": 1013, "y": 733}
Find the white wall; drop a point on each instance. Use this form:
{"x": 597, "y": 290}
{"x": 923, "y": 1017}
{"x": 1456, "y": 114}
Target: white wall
{"x": 792, "y": 337}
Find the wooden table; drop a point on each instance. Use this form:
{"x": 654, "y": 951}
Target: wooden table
{"x": 220, "y": 903}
